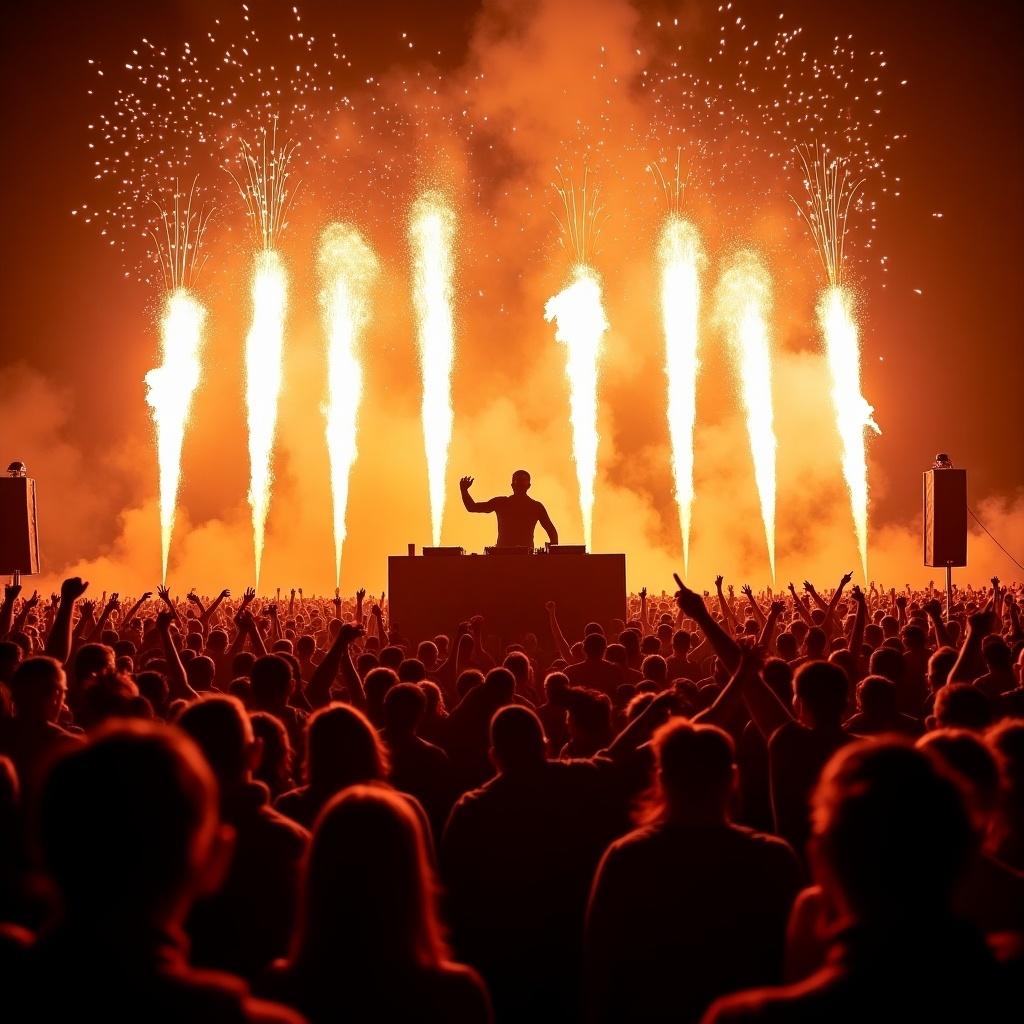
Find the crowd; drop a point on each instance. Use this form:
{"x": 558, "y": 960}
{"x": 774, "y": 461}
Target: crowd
{"x": 792, "y": 806}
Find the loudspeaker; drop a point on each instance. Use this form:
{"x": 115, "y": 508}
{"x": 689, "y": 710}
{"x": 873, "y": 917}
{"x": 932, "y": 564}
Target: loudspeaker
{"x": 945, "y": 517}
{"x": 19, "y": 530}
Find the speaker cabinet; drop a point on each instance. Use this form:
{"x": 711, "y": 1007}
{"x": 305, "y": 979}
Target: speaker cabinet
{"x": 19, "y": 530}
{"x": 945, "y": 517}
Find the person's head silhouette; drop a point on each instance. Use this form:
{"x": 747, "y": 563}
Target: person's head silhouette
{"x": 342, "y": 749}
{"x": 38, "y": 688}
{"x": 222, "y": 731}
{"x": 127, "y": 827}
{"x": 820, "y": 694}
{"x": 368, "y": 892}
{"x": 891, "y": 833}
{"x": 520, "y": 481}
{"x": 517, "y": 739}
{"x": 696, "y": 772}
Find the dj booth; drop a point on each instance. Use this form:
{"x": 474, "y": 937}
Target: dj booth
{"x": 433, "y": 592}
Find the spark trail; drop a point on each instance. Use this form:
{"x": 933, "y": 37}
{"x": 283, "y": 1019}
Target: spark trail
{"x": 743, "y": 303}
{"x": 348, "y": 268}
{"x": 268, "y": 197}
{"x": 681, "y": 258}
{"x": 178, "y": 249}
{"x": 830, "y": 192}
{"x": 580, "y": 324}
{"x": 432, "y": 226}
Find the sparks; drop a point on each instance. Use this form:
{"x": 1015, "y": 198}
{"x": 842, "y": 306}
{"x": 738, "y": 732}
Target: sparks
{"x": 682, "y": 259}
{"x": 830, "y": 193}
{"x": 170, "y": 388}
{"x": 348, "y": 268}
{"x": 743, "y": 302}
{"x": 580, "y": 324}
{"x": 268, "y": 197}
{"x": 432, "y": 240}
{"x": 178, "y": 249}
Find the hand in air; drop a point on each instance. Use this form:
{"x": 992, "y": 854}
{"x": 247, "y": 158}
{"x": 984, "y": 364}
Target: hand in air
{"x": 466, "y": 482}
{"x": 73, "y": 588}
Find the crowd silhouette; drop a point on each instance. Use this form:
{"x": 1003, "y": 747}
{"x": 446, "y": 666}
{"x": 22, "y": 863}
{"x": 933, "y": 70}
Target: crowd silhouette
{"x": 754, "y": 806}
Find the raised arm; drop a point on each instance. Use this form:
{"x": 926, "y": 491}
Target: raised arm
{"x": 108, "y": 608}
{"x": 829, "y": 624}
{"x": 725, "y": 607}
{"x": 755, "y": 608}
{"x": 723, "y": 645}
{"x": 801, "y": 608}
{"x": 177, "y": 679}
{"x": 206, "y": 615}
{"x": 969, "y": 663}
{"x": 58, "y": 642}
{"x": 561, "y": 644}
{"x": 481, "y": 506}
{"x": 338, "y": 657}
{"x": 11, "y": 592}
{"x": 26, "y": 606}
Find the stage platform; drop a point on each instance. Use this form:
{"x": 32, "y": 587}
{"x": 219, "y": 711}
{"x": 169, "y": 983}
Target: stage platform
{"x": 428, "y": 594}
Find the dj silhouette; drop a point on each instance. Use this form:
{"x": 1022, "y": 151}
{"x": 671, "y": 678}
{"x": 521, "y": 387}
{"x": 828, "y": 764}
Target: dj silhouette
{"x": 518, "y": 513}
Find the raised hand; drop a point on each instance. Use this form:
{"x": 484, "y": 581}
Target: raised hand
{"x": 248, "y": 597}
{"x": 360, "y": 595}
{"x": 932, "y": 607}
{"x": 901, "y": 601}
{"x": 846, "y": 578}
{"x": 227, "y": 593}
{"x": 791, "y": 588}
{"x": 113, "y": 601}
{"x": 643, "y": 594}
{"x": 164, "y": 620}
{"x": 747, "y": 590}
{"x": 88, "y": 608}
{"x": 690, "y": 602}
{"x": 350, "y": 632}
{"x": 165, "y": 595}
{"x": 550, "y": 607}
{"x": 146, "y": 596}
{"x": 857, "y": 594}
{"x": 193, "y": 597}
{"x": 718, "y": 581}
{"x": 11, "y": 592}
{"x": 73, "y": 588}
{"x": 466, "y": 482}
{"x": 776, "y": 608}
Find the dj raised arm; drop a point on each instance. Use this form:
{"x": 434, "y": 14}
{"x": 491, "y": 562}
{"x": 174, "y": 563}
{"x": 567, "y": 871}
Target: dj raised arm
{"x": 518, "y": 514}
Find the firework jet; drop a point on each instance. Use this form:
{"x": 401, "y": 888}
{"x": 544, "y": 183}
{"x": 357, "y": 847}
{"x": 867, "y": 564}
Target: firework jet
{"x": 830, "y": 192}
{"x": 348, "y": 268}
{"x": 178, "y": 249}
{"x": 580, "y": 323}
{"x": 681, "y": 258}
{"x": 170, "y": 389}
{"x": 743, "y": 302}
{"x": 264, "y": 345}
{"x": 268, "y": 197}
{"x": 432, "y": 240}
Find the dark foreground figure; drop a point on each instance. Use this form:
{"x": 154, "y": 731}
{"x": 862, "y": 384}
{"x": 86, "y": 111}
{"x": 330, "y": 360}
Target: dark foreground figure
{"x": 806, "y": 807}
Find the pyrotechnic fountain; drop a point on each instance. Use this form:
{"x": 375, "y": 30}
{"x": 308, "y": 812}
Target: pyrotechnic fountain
{"x": 743, "y": 303}
{"x": 348, "y": 268}
{"x": 580, "y": 324}
{"x": 830, "y": 192}
{"x": 432, "y": 242}
{"x": 681, "y": 258}
{"x": 178, "y": 248}
{"x": 267, "y": 197}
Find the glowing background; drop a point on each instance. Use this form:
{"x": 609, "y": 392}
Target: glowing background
{"x": 79, "y": 336}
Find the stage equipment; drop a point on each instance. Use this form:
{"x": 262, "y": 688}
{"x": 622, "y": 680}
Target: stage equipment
{"x": 944, "y": 515}
{"x": 19, "y": 528}
{"x": 433, "y": 595}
